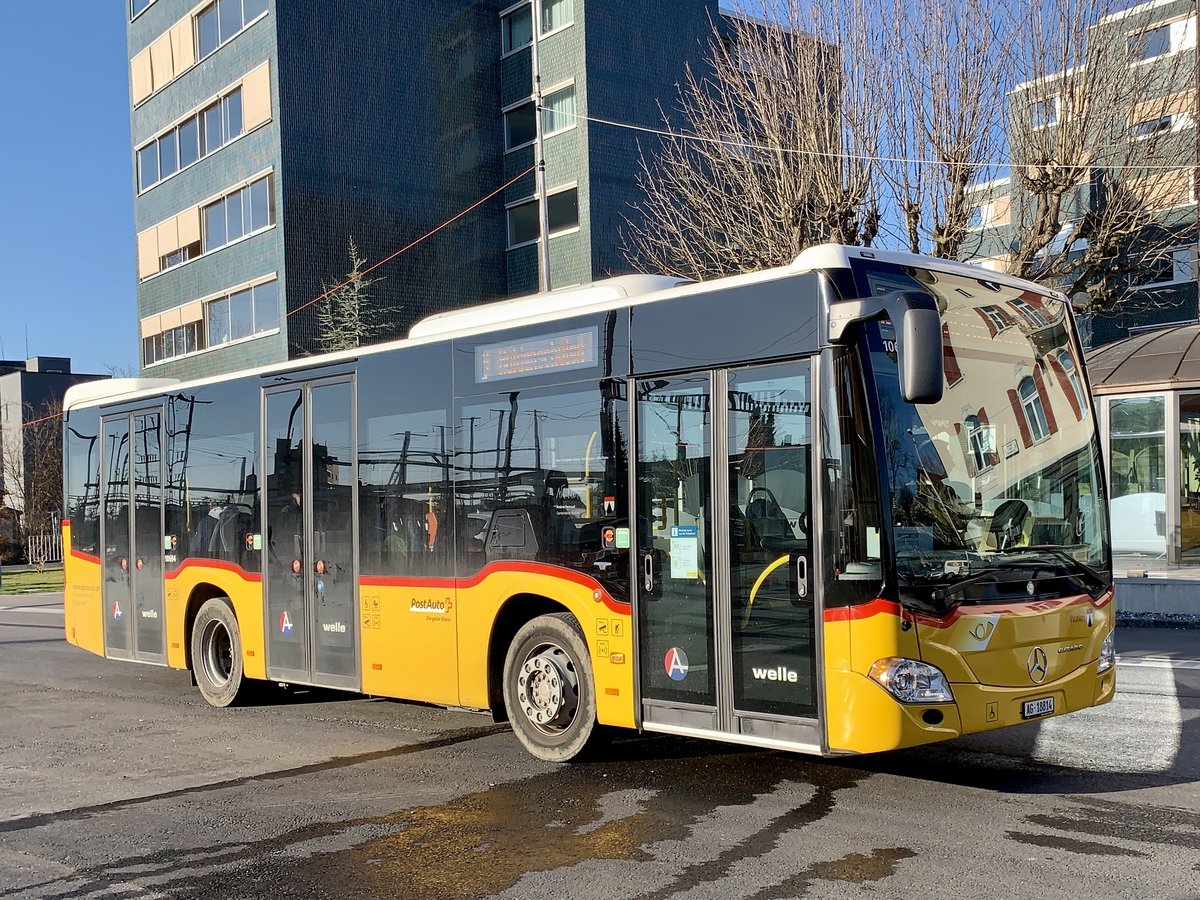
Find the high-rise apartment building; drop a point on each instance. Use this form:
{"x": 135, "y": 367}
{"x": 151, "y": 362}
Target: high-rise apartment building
{"x": 270, "y": 134}
{"x": 1122, "y": 125}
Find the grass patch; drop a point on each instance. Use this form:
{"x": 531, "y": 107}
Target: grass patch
{"x": 32, "y": 582}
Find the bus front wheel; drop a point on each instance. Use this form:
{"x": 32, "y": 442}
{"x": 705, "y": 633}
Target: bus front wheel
{"x": 549, "y": 690}
{"x": 217, "y": 653}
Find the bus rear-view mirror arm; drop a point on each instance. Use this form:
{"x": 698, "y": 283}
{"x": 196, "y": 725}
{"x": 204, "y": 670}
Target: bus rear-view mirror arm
{"x": 918, "y": 324}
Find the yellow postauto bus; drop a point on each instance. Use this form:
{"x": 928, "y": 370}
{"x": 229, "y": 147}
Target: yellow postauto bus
{"x": 844, "y": 506}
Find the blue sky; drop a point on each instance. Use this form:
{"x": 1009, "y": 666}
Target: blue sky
{"x": 67, "y": 269}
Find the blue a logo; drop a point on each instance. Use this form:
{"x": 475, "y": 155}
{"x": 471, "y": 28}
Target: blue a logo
{"x": 116, "y": 611}
{"x": 285, "y": 623}
{"x": 676, "y": 664}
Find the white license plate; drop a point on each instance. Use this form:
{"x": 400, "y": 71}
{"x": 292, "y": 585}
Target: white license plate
{"x": 1031, "y": 709}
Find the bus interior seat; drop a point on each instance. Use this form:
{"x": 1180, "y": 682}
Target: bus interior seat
{"x": 1011, "y": 525}
{"x": 766, "y": 517}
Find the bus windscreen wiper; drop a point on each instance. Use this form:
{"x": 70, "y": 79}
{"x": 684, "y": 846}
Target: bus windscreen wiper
{"x": 989, "y": 576}
{"x": 1065, "y": 560}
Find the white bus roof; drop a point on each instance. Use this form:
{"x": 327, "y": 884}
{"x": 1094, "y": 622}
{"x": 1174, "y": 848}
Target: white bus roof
{"x": 611, "y": 293}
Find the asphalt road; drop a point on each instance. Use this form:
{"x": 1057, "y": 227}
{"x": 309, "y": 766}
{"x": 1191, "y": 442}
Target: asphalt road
{"x": 117, "y": 781}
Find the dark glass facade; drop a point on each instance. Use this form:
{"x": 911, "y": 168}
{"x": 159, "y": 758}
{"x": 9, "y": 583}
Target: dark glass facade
{"x": 393, "y": 127}
{"x": 386, "y": 120}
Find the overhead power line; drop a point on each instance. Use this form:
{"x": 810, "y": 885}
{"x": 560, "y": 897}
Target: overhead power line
{"x": 428, "y": 234}
{"x": 833, "y": 154}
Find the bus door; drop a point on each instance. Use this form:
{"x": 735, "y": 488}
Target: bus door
{"x": 132, "y": 533}
{"x": 726, "y": 593}
{"x": 310, "y": 564}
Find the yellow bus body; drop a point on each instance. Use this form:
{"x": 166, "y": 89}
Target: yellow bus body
{"x": 430, "y": 640}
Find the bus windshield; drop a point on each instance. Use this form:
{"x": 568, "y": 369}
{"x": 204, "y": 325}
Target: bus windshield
{"x": 995, "y": 490}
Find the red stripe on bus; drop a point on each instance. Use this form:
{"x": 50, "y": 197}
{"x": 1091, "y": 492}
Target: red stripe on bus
{"x": 213, "y": 564}
{"x": 526, "y": 568}
{"x": 86, "y": 557}
{"x": 881, "y": 606}
{"x": 877, "y": 607}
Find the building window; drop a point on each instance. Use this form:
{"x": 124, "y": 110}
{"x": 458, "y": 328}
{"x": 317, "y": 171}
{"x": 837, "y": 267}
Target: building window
{"x": 998, "y": 317}
{"x": 221, "y": 21}
{"x": 516, "y": 29}
{"x": 1162, "y": 40}
{"x": 1043, "y": 113}
{"x": 562, "y": 214}
{"x": 1033, "y": 314}
{"x": 520, "y": 126}
{"x": 243, "y": 313}
{"x": 168, "y": 154}
{"x": 180, "y": 256}
{"x": 178, "y": 341}
{"x": 235, "y": 215}
{"x": 190, "y": 141}
{"x": 1176, "y": 121}
{"x": 523, "y": 227}
{"x": 562, "y": 211}
{"x": 558, "y": 110}
{"x": 979, "y": 438}
{"x": 1158, "y": 269}
{"x": 982, "y": 215}
{"x": 1072, "y": 373}
{"x": 147, "y": 165}
{"x": 1035, "y": 413}
{"x": 137, "y": 7}
{"x": 557, "y": 14}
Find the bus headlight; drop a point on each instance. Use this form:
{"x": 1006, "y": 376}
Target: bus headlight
{"x": 1108, "y": 654}
{"x": 912, "y": 681}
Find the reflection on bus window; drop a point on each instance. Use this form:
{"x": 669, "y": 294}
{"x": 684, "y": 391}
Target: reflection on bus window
{"x": 540, "y": 476}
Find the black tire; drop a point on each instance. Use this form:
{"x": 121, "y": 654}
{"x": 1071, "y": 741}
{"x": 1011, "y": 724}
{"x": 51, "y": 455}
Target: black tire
{"x": 217, "y": 654}
{"x": 549, "y": 690}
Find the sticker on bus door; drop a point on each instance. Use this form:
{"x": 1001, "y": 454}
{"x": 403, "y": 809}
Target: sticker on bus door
{"x": 685, "y": 555}
{"x": 676, "y": 664}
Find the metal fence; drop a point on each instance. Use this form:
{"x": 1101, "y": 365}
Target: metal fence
{"x": 45, "y": 548}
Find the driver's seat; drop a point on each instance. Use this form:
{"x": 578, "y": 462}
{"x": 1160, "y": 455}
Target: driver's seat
{"x": 1011, "y": 525}
{"x": 766, "y": 519}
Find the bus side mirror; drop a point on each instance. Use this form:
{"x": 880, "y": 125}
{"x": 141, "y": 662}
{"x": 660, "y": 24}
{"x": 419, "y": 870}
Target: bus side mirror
{"x": 918, "y": 324}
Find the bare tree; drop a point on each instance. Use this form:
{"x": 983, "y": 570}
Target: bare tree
{"x": 31, "y": 466}
{"x": 346, "y": 317}
{"x": 1046, "y": 137}
{"x": 1095, "y": 148}
{"x": 777, "y": 150}
{"x": 944, "y": 115}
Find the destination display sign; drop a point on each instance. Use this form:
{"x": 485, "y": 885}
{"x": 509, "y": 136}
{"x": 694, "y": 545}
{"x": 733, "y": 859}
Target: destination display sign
{"x": 535, "y": 356}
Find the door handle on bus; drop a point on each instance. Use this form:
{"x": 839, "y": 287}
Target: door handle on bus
{"x": 648, "y": 572}
{"x": 802, "y": 577}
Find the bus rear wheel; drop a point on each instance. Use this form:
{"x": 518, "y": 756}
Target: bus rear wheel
{"x": 549, "y": 689}
{"x": 217, "y": 654}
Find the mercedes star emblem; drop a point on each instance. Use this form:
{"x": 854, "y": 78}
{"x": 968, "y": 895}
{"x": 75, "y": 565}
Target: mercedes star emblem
{"x": 1037, "y": 665}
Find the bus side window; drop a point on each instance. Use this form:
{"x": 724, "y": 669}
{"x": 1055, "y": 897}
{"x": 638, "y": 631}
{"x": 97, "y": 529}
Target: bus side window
{"x": 212, "y": 489}
{"x": 539, "y": 473}
{"x": 406, "y": 525}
